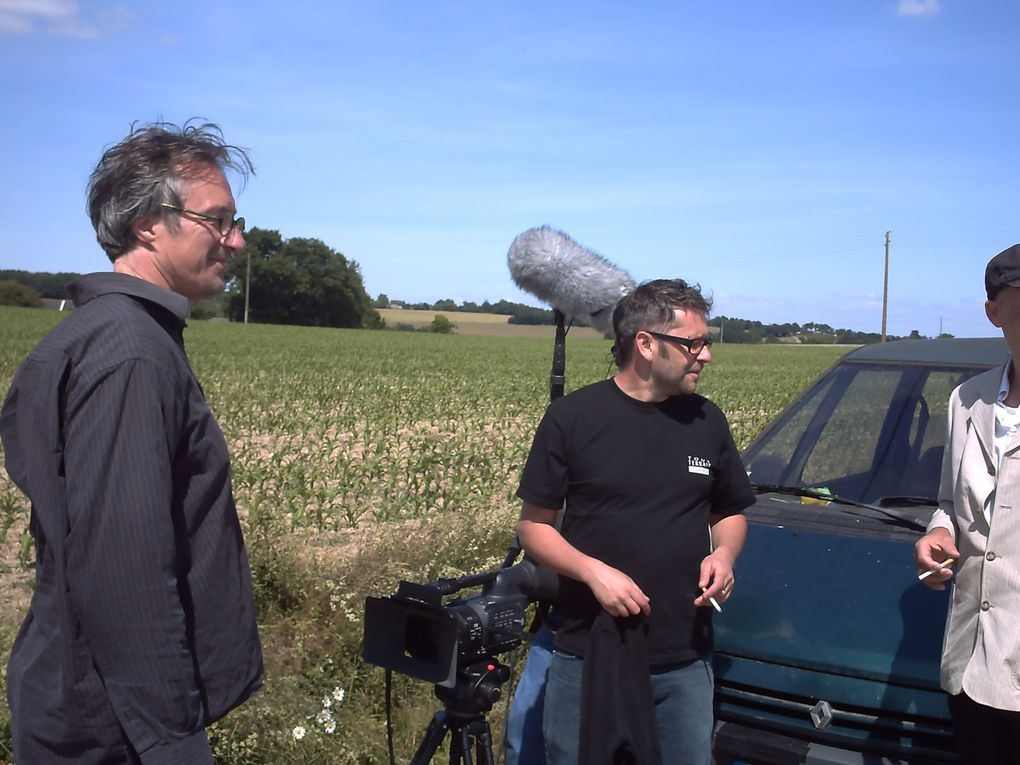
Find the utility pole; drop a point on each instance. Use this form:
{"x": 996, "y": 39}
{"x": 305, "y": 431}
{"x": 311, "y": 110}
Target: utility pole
{"x": 247, "y": 284}
{"x": 885, "y": 287}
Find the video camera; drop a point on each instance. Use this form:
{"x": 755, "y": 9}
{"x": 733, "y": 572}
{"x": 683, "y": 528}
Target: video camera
{"x": 415, "y": 633}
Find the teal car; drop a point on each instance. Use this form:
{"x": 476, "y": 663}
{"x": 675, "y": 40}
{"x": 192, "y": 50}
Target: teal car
{"x": 828, "y": 653}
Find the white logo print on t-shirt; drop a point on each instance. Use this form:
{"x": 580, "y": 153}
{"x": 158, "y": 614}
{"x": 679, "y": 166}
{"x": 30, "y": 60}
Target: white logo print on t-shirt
{"x": 699, "y": 465}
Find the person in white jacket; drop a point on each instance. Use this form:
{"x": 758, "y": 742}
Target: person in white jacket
{"x": 975, "y": 534}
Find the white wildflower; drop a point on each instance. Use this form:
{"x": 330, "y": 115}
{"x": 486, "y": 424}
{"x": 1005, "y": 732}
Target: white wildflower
{"x": 338, "y": 694}
{"x": 298, "y": 732}
{"x": 329, "y": 726}
{"x": 324, "y": 717}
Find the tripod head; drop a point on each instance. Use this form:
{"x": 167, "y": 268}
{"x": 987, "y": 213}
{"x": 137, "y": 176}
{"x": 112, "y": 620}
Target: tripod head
{"x": 478, "y": 686}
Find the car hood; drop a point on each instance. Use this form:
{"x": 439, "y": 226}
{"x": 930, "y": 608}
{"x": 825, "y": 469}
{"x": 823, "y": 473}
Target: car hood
{"x": 836, "y": 608}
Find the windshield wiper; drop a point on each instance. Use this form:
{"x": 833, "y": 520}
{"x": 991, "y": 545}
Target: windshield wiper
{"x": 906, "y": 500}
{"x": 902, "y": 519}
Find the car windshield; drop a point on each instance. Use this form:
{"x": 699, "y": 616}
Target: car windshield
{"x": 870, "y": 433}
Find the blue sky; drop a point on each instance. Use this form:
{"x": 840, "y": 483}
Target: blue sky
{"x": 761, "y": 149}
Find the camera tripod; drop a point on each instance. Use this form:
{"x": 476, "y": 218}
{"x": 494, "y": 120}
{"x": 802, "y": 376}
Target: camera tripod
{"x": 477, "y": 688}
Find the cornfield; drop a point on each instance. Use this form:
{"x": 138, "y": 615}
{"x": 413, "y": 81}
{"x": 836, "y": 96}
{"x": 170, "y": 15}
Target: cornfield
{"x": 361, "y": 458}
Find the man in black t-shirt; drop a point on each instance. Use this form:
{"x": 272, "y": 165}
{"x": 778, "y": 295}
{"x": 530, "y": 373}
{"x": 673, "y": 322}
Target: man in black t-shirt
{"x": 654, "y": 491}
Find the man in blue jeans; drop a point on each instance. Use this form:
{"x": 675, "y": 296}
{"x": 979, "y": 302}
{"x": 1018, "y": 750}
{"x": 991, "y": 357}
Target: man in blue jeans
{"x": 654, "y": 491}
{"x": 523, "y": 741}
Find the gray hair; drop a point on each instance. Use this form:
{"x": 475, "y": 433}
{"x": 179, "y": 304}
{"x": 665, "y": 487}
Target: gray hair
{"x": 652, "y": 306}
{"x": 149, "y": 168}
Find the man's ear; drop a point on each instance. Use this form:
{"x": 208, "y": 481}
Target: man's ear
{"x": 643, "y": 345}
{"x": 992, "y": 312}
{"x": 144, "y": 228}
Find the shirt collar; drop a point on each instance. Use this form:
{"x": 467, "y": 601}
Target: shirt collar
{"x": 1004, "y": 383}
{"x": 85, "y": 288}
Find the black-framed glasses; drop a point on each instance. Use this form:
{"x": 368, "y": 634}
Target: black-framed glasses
{"x": 224, "y": 223}
{"x": 694, "y": 345}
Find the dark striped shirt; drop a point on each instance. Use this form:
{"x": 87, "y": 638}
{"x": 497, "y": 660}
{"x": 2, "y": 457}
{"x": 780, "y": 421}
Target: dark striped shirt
{"x": 142, "y": 626}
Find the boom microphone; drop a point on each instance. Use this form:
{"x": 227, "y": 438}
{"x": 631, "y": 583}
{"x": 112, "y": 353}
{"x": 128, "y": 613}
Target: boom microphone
{"x": 574, "y": 280}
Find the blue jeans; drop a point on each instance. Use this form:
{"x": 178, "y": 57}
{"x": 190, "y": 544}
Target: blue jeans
{"x": 683, "y": 710}
{"x": 523, "y": 741}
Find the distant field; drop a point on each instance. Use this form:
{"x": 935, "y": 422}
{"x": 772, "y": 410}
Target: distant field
{"x": 490, "y": 324}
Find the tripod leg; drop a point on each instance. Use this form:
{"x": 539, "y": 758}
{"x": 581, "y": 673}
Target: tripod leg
{"x": 433, "y": 737}
{"x": 483, "y": 745}
{"x": 464, "y": 742}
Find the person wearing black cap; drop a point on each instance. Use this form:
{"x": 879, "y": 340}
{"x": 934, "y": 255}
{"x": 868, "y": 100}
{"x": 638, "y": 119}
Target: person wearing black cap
{"x": 974, "y": 531}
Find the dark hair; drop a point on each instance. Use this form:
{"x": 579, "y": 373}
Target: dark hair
{"x": 146, "y": 170}
{"x": 652, "y": 306}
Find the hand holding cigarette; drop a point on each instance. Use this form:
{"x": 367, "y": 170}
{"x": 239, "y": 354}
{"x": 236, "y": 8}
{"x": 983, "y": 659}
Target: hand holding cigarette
{"x": 944, "y": 564}
{"x": 935, "y": 546}
{"x": 713, "y": 601}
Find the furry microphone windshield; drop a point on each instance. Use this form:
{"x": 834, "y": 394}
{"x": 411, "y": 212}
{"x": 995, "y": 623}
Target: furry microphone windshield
{"x": 557, "y": 270}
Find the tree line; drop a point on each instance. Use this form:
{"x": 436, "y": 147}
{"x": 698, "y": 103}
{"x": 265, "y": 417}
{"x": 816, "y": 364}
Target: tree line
{"x": 284, "y": 281}
{"x": 305, "y": 282}
{"x": 730, "y": 329}
{"x": 733, "y": 330}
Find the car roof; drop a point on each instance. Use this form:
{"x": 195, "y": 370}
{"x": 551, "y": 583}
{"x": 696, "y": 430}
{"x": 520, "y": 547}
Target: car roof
{"x": 958, "y": 351}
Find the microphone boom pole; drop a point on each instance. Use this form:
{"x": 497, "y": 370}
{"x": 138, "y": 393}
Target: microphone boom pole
{"x": 558, "y": 376}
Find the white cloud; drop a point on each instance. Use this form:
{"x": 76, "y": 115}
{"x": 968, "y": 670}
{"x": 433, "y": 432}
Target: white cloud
{"x": 60, "y": 17}
{"x": 52, "y": 9}
{"x": 918, "y": 8}
{"x": 20, "y": 16}
{"x": 12, "y": 24}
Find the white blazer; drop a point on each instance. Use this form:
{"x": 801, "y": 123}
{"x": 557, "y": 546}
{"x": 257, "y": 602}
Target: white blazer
{"x": 981, "y": 651}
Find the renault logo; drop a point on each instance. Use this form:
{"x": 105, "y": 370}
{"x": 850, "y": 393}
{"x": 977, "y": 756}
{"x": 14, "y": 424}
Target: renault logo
{"x": 821, "y": 714}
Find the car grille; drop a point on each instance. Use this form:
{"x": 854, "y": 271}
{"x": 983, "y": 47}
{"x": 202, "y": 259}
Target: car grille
{"x": 913, "y": 738}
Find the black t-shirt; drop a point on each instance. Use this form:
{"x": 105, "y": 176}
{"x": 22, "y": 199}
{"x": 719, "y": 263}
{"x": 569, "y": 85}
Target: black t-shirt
{"x": 639, "y": 480}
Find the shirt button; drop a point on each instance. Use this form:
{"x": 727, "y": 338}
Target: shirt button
{"x": 985, "y": 605}
{"x": 990, "y": 556}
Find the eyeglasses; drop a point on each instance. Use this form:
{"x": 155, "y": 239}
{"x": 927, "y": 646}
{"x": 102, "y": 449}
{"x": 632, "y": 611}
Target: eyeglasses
{"x": 694, "y": 345}
{"x": 224, "y": 223}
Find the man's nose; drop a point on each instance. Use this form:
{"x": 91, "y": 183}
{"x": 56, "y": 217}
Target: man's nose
{"x": 235, "y": 240}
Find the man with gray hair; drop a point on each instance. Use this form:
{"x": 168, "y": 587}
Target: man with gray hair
{"x": 141, "y": 631}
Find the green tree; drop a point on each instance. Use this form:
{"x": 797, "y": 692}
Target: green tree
{"x": 47, "y": 284}
{"x": 207, "y": 308}
{"x": 15, "y": 293}
{"x": 298, "y": 281}
{"x": 524, "y": 314}
{"x": 441, "y": 325}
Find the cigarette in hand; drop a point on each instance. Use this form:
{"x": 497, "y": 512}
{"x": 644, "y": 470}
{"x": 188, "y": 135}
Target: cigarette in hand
{"x": 944, "y": 564}
{"x": 713, "y": 601}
